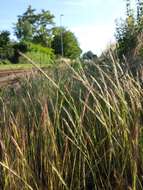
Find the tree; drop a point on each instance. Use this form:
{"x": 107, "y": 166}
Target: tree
{"x": 24, "y": 28}
{"x": 89, "y": 56}
{"x": 4, "y": 38}
{"x": 35, "y": 27}
{"x": 126, "y": 35}
{"x": 71, "y": 47}
{"x": 128, "y": 31}
{"x": 6, "y": 50}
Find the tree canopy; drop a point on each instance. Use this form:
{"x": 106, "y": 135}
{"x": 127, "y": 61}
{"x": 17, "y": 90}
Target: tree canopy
{"x": 71, "y": 47}
{"x": 35, "y": 27}
{"x": 6, "y": 50}
{"x": 89, "y": 56}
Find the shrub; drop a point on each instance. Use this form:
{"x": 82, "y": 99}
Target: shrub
{"x": 36, "y": 52}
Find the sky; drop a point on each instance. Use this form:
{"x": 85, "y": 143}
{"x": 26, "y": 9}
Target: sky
{"x": 92, "y": 21}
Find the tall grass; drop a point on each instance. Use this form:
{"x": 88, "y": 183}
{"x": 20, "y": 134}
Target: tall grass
{"x": 82, "y": 130}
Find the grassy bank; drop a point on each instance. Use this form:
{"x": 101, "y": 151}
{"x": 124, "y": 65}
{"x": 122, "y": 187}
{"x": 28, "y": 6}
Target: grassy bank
{"x": 75, "y": 129}
{"x": 21, "y": 66}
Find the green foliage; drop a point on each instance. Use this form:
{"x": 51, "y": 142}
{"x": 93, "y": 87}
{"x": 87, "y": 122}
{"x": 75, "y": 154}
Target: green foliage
{"x": 6, "y": 53}
{"x": 36, "y": 52}
{"x": 71, "y": 47}
{"x": 34, "y": 30}
{"x": 36, "y": 33}
{"x": 4, "y": 63}
{"x": 39, "y": 48}
{"x": 126, "y": 35}
{"x": 39, "y": 54}
{"x": 21, "y": 46}
{"x": 35, "y": 27}
{"x": 128, "y": 31}
{"x": 9, "y": 50}
{"x": 4, "y": 38}
{"x": 18, "y": 46}
{"x": 6, "y": 49}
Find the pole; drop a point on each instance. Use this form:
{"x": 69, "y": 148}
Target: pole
{"x": 62, "y": 46}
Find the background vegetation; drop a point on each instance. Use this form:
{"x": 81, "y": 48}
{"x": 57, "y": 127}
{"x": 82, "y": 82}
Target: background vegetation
{"x": 38, "y": 38}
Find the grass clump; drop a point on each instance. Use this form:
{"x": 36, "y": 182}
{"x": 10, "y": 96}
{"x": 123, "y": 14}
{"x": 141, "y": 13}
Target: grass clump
{"x": 72, "y": 129}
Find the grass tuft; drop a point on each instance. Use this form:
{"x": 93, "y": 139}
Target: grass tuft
{"x": 73, "y": 128}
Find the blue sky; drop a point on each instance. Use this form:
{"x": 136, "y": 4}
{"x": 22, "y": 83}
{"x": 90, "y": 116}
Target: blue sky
{"x": 92, "y": 21}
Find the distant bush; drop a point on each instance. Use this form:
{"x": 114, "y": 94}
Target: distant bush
{"x": 36, "y": 52}
{"x": 89, "y": 56}
{"x": 40, "y": 54}
{"x": 5, "y": 62}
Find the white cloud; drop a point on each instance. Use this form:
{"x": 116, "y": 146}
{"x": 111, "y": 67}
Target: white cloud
{"x": 95, "y": 38}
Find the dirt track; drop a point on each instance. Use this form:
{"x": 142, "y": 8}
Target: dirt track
{"x": 10, "y": 77}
